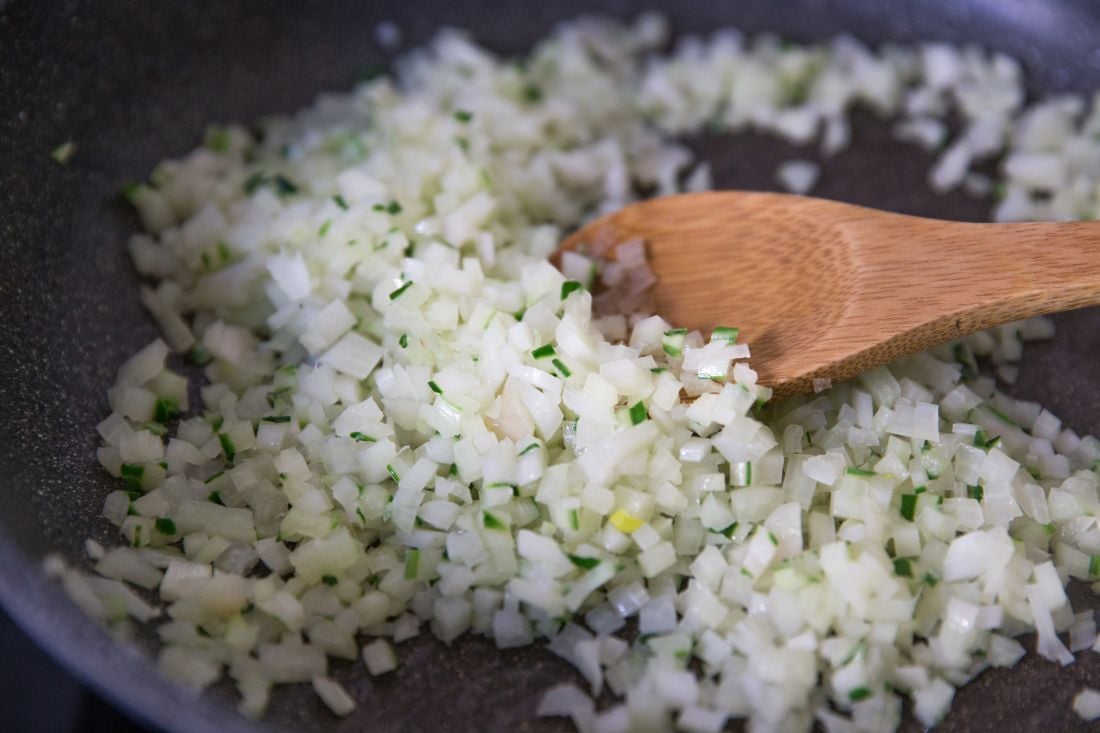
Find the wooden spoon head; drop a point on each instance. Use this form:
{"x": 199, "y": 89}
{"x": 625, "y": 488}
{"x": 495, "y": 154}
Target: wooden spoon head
{"x": 774, "y": 265}
{"x": 825, "y": 289}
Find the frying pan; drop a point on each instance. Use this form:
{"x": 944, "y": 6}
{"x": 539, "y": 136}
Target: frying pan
{"x": 132, "y": 82}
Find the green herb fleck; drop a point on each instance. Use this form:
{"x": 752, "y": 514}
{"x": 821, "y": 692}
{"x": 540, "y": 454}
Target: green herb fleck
{"x": 401, "y": 290}
{"x": 903, "y": 567}
{"x": 228, "y": 448}
{"x": 165, "y": 526}
{"x": 859, "y": 693}
{"x": 324, "y": 228}
{"x": 532, "y": 94}
{"x": 584, "y": 563}
{"x": 63, "y": 152}
{"x": 412, "y": 563}
{"x": 931, "y": 580}
{"x": 463, "y": 116}
{"x": 1003, "y": 417}
{"x": 284, "y": 186}
{"x": 199, "y": 355}
{"x": 132, "y": 474}
{"x": 403, "y": 342}
{"x": 561, "y": 367}
{"x": 908, "y": 506}
{"x": 568, "y": 287}
{"x": 165, "y": 409}
{"x": 340, "y": 202}
{"x": 215, "y": 498}
{"x": 217, "y": 139}
{"x": 726, "y": 532}
{"x": 638, "y": 413}
{"x": 725, "y": 333}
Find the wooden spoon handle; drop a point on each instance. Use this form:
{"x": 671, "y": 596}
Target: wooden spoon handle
{"x": 954, "y": 278}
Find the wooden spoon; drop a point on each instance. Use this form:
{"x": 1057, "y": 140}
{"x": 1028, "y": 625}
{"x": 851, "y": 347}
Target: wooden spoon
{"x": 822, "y": 289}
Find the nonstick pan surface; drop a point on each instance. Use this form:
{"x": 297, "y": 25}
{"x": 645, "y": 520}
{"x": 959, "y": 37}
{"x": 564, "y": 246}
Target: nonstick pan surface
{"x": 132, "y": 82}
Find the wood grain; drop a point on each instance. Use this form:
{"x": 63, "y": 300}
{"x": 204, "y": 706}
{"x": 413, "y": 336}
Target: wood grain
{"x": 825, "y": 289}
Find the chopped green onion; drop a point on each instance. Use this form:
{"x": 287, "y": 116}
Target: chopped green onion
{"x": 403, "y": 342}
{"x": 859, "y": 693}
{"x": 673, "y": 341}
{"x": 324, "y": 228}
{"x": 725, "y": 333}
{"x": 543, "y": 351}
{"x": 63, "y": 152}
{"x": 570, "y": 286}
{"x": 931, "y": 580}
{"x": 132, "y": 474}
{"x": 975, "y": 492}
{"x": 165, "y": 526}
{"x": 492, "y": 522}
{"x": 340, "y": 202}
{"x": 284, "y": 186}
{"x": 228, "y": 448}
{"x": 528, "y": 449}
{"x": 726, "y": 532}
{"x": 329, "y": 580}
{"x": 463, "y": 116}
{"x": 412, "y": 563}
{"x": 217, "y": 139}
{"x": 584, "y": 563}
{"x": 1094, "y": 566}
{"x": 532, "y": 94}
{"x": 574, "y": 519}
{"x": 401, "y": 290}
{"x": 360, "y": 437}
{"x": 199, "y": 355}
{"x": 773, "y": 538}
{"x": 215, "y": 498}
{"x": 393, "y": 473}
{"x": 638, "y": 413}
{"x": 276, "y": 418}
{"x": 435, "y": 387}
{"x": 1002, "y": 417}
{"x": 165, "y": 409}
{"x": 853, "y": 471}
{"x": 561, "y": 367}
{"x": 658, "y": 370}
{"x": 908, "y": 506}
{"x": 903, "y": 567}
